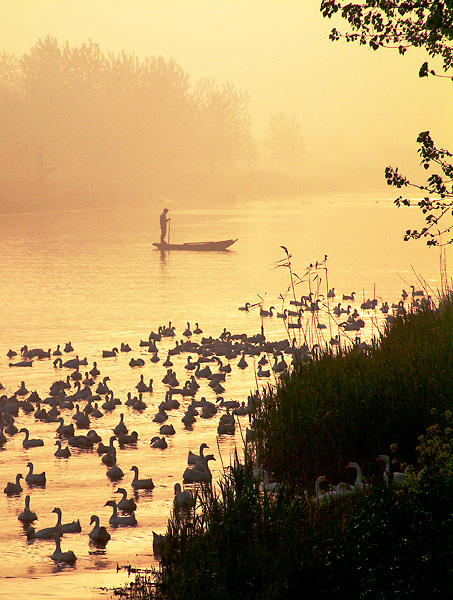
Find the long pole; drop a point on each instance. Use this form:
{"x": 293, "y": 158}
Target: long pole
{"x": 169, "y": 221}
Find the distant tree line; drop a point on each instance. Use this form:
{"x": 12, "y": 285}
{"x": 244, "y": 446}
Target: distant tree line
{"x": 78, "y": 124}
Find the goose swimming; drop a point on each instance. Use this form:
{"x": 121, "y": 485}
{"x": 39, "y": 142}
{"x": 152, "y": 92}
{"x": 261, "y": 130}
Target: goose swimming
{"x": 116, "y": 519}
{"x": 142, "y": 387}
{"x": 109, "y": 457}
{"x": 192, "y": 475}
{"x": 27, "y": 515}
{"x": 61, "y": 452}
{"x": 141, "y": 484}
{"x": 160, "y": 416}
{"x": 127, "y": 438}
{"x": 30, "y": 443}
{"x": 115, "y": 472}
{"x": 102, "y": 387}
{"x": 14, "y": 487}
{"x": 167, "y": 430}
{"x": 125, "y": 504}
{"x": 95, "y": 371}
{"x": 246, "y": 307}
{"x": 71, "y": 527}
{"x": 99, "y": 534}
{"x": 267, "y": 313}
{"x": 81, "y": 441}
{"x": 58, "y": 555}
{"x": 349, "y": 296}
{"x": 136, "y": 362}
{"x": 183, "y": 499}
{"x": 158, "y": 442}
{"x": 35, "y": 478}
{"x": 193, "y": 458}
{"x": 109, "y": 353}
{"x": 41, "y": 534}
{"x": 121, "y": 427}
{"x": 242, "y": 364}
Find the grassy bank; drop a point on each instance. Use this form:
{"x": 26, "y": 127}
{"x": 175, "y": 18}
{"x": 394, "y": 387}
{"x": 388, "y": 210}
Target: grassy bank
{"x": 378, "y": 542}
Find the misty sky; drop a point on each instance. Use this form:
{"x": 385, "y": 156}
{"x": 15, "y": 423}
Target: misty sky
{"x": 354, "y": 105}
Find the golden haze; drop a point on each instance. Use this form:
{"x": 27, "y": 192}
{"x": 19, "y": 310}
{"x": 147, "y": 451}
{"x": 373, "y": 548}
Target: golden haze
{"x": 358, "y": 110}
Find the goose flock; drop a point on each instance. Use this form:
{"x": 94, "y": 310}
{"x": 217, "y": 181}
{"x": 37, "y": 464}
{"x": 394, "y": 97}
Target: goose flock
{"x": 187, "y": 385}
{"x": 81, "y": 396}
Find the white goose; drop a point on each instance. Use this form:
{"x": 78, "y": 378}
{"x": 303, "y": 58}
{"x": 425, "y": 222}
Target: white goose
{"x": 399, "y": 478}
{"x": 320, "y": 496}
{"x": 358, "y": 484}
{"x": 268, "y": 487}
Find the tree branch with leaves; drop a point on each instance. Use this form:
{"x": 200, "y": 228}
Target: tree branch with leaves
{"x": 402, "y": 24}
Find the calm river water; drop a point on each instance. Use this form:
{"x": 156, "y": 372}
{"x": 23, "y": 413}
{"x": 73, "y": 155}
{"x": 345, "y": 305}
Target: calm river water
{"x": 92, "y": 278}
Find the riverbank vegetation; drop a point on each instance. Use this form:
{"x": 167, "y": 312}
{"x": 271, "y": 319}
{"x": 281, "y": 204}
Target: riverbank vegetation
{"x": 370, "y": 539}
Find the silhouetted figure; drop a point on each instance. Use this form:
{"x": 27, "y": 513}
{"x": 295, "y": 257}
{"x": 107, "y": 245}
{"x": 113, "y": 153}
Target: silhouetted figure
{"x": 163, "y": 225}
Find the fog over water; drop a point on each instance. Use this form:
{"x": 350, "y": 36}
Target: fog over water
{"x": 146, "y": 101}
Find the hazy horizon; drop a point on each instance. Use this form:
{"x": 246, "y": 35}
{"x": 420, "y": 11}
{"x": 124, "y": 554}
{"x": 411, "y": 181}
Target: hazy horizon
{"x": 358, "y": 109}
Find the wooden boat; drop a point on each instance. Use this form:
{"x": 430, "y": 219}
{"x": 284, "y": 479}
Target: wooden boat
{"x": 197, "y": 246}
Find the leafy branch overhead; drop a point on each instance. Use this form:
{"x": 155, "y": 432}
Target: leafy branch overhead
{"x": 438, "y": 186}
{"x": 401, "y": 24}
{"x": 398, "y": 24}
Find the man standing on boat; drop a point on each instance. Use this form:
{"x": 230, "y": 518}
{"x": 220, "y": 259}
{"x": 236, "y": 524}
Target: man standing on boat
{"x": 163, "y": 225}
